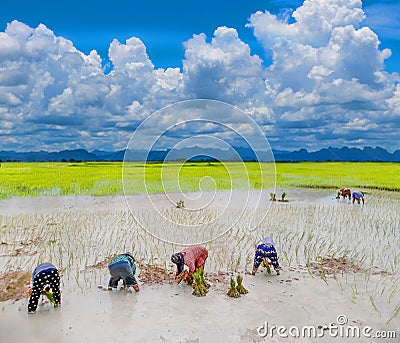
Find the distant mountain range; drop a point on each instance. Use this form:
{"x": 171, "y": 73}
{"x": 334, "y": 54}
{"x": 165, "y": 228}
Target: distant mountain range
{"x": 366, "y": 154}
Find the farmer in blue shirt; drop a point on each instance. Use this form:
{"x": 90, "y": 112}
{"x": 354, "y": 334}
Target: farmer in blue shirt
{"x": 123, "y": 267}
{"x": 265, "y": 251}
{"x": 45, "y": 277}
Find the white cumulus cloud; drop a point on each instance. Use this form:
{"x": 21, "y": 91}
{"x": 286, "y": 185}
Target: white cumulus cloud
{"x": 326, "y": 73}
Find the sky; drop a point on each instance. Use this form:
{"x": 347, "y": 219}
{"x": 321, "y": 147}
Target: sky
{"x": 312, "y": 74}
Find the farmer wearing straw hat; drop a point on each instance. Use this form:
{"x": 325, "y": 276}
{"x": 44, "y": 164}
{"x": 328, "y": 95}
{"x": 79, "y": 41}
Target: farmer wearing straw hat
{"x": 265, "y": 252}
{"x": 122, "y": 267}
{"x": 45, "y": 280}
{"x": 193, "y": 257}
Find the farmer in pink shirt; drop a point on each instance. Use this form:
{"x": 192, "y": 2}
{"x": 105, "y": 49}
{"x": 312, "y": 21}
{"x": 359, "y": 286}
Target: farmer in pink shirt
{"x": 193, "y": 257}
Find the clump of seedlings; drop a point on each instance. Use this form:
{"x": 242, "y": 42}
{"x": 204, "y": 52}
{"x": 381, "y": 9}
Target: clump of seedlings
{"x": 200, "y": 285}
{"x": 272, "y": 196}
{"x": 202, "y": 279}
{"x": 267, "y": 264}
{"x": 47, "y": 291}
{"x": 283, "y": 198}
{"x": 240, "y": 288}
{"x": 233, "y": 292}
{"x": 180, "y": 204}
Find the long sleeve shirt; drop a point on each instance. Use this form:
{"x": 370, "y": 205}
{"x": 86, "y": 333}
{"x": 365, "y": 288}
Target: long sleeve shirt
{"x": 194, "y": 257}
{"x": 124, "y": 258}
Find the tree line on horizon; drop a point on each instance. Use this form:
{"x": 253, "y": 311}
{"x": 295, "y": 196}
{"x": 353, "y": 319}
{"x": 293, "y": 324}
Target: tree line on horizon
{"x": 344, "y": 154}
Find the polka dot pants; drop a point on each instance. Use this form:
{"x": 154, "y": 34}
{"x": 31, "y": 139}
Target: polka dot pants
{"x": 48, "y": 277}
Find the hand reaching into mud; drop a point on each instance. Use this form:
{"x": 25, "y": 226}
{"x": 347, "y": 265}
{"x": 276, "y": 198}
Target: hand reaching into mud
{"x": 184, "y": 276}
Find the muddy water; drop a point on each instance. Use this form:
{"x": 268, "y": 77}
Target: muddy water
{"x": 172, "y": 314}
{"x": 169, "y": 313}
{"x": 219, "y": 199}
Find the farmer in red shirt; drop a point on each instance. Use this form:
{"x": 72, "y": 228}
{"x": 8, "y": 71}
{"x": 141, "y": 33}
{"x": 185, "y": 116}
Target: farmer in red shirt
{"x": 193, "y": 256}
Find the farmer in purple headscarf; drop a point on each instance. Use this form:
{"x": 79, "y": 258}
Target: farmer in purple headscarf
{"x": 357, "y": 195}
{"x": 265, "y": 252}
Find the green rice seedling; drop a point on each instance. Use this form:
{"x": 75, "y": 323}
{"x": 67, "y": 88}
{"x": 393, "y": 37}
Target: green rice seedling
{"x": 392, "y": 293}
{"x": 233, "y": 292}
{"x": 237, "y": 264}
{"x": 338, "y": 282}
{"x": 283, "y": 196}
{"x": 297, "y": 253}
{"x": 199, "y": 285}
{"x": 49, "y": 294}
{"x": 373, "y": 304}
{"x": 287, "y": 257}
{"x": 396, "y": 312}
{"x": 354, "y": 294}
{"x": 205, "y": 284}
{"x": 249, "y": 259}
{"x": 354, "y": 288}
{"x": 180, "y": 204}
{"x": 240, "y": 288}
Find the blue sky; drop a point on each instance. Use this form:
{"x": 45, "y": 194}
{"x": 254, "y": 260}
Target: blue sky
{"x": 83, "y": 74}
{"x": 162, "y": 25}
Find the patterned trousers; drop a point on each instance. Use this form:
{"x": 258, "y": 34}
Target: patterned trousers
{"x": 263, "y": 252}
{"x": 47, "y": 277}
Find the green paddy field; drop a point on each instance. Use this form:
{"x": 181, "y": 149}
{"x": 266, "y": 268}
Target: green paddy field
{"x": 105, "y": 178}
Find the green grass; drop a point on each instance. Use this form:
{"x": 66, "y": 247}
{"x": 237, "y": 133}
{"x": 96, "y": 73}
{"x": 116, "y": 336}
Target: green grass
{"x": 36, "y": 179}
{"x": 105, "y": 178}
{"x": 364, "y": 175}
{"x": 190, "y": 177}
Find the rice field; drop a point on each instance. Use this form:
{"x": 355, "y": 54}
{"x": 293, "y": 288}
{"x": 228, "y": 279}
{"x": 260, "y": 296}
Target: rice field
{"x": 305, "y": 234}
{"x": 362, "y": 175}
{"x": 105, "y": 178}
{"x": 308, "y": 235}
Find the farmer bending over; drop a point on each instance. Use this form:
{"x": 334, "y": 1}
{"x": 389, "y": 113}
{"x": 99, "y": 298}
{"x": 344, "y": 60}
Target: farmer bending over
{"x": 45, "y": 278}
{"x": 344, "y": 192}
{"x": 359, "y": 196}
{"x": 123, "y": 267}
{"x": 193, "y": 257}
{"x": 265, "y": 250}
